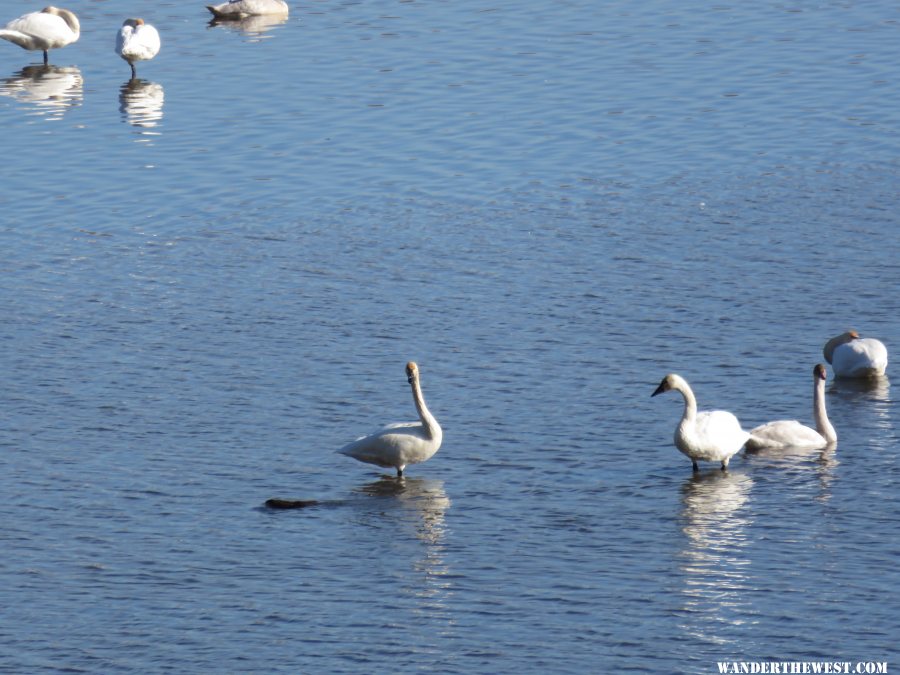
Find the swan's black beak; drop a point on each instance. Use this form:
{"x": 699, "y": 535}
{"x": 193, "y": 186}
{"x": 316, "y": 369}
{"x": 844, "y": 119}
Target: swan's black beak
{"x": 410, "y": 379}
{"x": 660, "y": 389}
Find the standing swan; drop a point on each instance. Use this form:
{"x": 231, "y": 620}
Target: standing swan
{"x": 790, "y": 433}
{"x": 137, "y": 41}
{"x": 397, "y": 445}
{"x": 712, "y": 435}
{"x": 853, "y": 356}
{"x": 51, "y": 28}
{"x": 241, "y": 9}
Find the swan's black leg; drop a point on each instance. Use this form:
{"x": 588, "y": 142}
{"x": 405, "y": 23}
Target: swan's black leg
{"x": 133, "y": 71}
{"x": 399, "y": 473}
{"x": 46, "y": 58}
{"x": 696, "y": 466}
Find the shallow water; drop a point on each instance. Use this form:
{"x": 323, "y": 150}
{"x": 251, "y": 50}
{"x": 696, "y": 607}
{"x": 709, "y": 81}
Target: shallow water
{"x": 213, "y": 277}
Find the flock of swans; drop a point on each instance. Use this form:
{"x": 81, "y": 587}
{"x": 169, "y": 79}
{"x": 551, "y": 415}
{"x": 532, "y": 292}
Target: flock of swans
{"x": 716, "y": 435}
{"x": 54, "y": 28}
{"x": 709, "y": 436}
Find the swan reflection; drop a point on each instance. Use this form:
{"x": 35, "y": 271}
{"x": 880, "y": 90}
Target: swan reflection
{"x": 423, "y": 499}
{"x": 869, "y": 401}
{"x": 822, "y": 461}
{"x": 49, "y": 90}
{"x": 715, "y": 568}
{"x": 141, "y": 104}
{"x": 252, "y": 26}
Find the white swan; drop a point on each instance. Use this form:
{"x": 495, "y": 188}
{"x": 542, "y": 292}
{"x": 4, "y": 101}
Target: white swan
{"x": 853, "y": 356}
{"x": 711, "y": 436}
{"x": 240, "y": 9}
{"x": 137, "y": 41}
{"x": 790, "y": 433}
{"x": 398, "y": 445}
{"x": 50, "y": 28}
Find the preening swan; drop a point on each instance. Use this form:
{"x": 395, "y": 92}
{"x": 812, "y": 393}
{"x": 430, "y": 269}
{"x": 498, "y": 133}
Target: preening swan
{"x": 398, "y": 445}
{"x": 712, "y": 435}
{"x": 240, "y": 9}
{"x": 853, "y": 356}
{"x": 790, "y": 433}
{"x": 137, "y": 41}
{"x": 51, "y": 28}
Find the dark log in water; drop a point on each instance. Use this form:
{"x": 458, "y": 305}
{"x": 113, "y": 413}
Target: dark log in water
{"x": 290, "y": 503}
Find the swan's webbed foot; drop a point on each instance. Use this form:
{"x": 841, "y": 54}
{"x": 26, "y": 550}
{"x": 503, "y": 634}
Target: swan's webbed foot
{"x": 695, "y": 465}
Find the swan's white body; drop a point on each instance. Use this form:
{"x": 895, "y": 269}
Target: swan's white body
{"x": 137, "y": 41}
{"x": 240, "y": 9}
{"x": 50, "y": 28}
{"x": 709, "y": 436}
{"x": 790, "y": 433}
{"x": 398, "y": 445}
{"x": 853, "y": 356}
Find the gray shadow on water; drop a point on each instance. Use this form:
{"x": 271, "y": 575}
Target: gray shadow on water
{"x": 48, "y": 91}
{"x": 141, "y": 104}
{"x": 714, "y": 568}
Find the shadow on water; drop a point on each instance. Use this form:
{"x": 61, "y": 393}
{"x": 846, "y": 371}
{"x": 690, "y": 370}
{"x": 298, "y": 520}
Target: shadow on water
{"x": 141, "y": 105}
{"x": 49, "y": 90}
{"x": 714, "y": 566}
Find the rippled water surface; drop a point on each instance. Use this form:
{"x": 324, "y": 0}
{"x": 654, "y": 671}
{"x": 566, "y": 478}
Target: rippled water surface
{"x": 214, "y": 275}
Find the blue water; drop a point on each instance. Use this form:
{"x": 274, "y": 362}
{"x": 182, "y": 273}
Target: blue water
{"x": 214, "y": 276}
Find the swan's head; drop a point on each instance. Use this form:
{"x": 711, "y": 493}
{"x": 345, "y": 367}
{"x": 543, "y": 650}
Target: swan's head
{"x": 134, "y": 23}
{"x": 819, "y": 372}
{"x": 412, "y": 372}
{"x": 668, "y": 383}
{"x": 836, "y": 342}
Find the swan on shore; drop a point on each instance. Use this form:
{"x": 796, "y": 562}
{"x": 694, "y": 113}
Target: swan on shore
{"x": 853, "y": 356}
{"x": 241, "y": 9}
{"x": 790, "y": 433}
{"x": 398, "y": 445}
{"x": 137, "y": 41}
{"x": 50, "y": 28}
{"x": 709, "y": 436}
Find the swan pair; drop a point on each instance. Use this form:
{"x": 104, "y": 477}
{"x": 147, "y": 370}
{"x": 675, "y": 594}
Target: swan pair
{"x": 716, "y": 435}
{"x": 53, "y": 27}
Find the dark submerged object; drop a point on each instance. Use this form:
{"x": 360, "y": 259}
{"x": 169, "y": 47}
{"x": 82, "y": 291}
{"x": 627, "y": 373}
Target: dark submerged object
{"x": 290, "y": 503}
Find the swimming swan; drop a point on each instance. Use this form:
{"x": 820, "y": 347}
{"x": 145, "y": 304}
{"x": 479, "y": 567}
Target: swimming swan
{"x": 711, "y": 436}
{"x": 853, "y": 356}
{"x": 403, "y": 443}
{"x": 239, "y": 9}
{"x": 137, "y": 41}
{"x": 790, "y": 433}
{"x": 51, "y": 28}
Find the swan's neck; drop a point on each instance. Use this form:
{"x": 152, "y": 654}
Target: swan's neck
{"x": 70, "y": 19}
{"x": 823, "y": 426}
{"x": 432, "y": 428}
{"x": 690, "y": 403}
